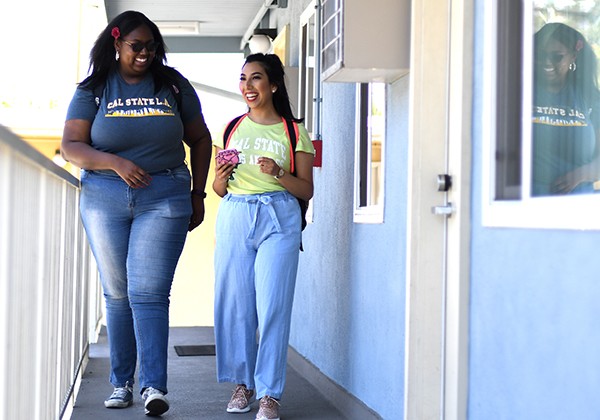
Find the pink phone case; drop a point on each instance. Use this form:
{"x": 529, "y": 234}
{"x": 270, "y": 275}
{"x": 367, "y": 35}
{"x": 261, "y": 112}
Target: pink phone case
{"x": 228, "y": 156}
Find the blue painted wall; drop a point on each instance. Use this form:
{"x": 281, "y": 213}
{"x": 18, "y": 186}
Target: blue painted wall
{"x": 349, "y": 309}
{"x": 534, "y": 320}
{"x": 534, "y": 342}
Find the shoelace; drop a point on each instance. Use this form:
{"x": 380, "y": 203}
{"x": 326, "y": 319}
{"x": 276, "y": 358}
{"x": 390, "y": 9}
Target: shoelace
{"x": 121, "y": 393}
{"x": 241, "y": 391}
{"x": 151, "y": 391}
{"x": 269, "y": 402}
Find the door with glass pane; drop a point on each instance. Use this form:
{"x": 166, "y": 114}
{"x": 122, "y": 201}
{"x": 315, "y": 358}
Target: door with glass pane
{"x": 438, "y": 249}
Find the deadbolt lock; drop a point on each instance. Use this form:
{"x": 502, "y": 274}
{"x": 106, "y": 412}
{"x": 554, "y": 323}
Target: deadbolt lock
{"x": 444, "y": 182}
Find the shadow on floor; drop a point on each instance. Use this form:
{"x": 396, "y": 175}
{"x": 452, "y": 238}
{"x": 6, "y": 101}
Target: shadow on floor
{"x": 193, "y": 390}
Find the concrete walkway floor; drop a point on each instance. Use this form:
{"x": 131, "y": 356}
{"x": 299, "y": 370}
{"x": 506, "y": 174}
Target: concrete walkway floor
{"x": 193, "y": 390}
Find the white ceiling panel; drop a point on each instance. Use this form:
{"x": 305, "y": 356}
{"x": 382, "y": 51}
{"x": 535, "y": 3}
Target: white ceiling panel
{"x": 221, "y": 23}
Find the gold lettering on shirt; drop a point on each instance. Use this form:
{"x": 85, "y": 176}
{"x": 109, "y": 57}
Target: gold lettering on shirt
{"x": 142, "y": 107}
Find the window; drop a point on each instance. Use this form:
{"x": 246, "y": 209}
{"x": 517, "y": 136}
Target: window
{"x": 306, "y": 79}
{"x": 332, "y": 36}
{"x": 307, "y": 68}
{"x": 542, "y": 156}
{"x": 369, "y": 162}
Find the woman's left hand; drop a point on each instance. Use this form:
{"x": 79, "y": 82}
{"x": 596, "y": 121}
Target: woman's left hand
{"x": 198, "y": 212}
{"x": 268, "y": 166}
{"x": 197, "y": 137}
{"x": 568, "y": 182}
{"x": 299, "y": 184}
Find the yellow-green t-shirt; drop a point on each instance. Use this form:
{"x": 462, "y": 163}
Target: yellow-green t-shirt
{"x": 255, "y": 140}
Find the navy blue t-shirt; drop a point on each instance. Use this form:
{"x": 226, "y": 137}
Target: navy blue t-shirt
{"x": 564, "y": 136}
{"x": 137, "y": 124}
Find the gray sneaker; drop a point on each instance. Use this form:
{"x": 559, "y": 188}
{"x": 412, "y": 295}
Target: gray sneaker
{"x": 121, "y": 397}
{"x": 155, "y": 402}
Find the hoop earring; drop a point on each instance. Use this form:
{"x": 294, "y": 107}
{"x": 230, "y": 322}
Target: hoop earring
{"x": 573, "y": 66}
{"x": 117, "y": 56}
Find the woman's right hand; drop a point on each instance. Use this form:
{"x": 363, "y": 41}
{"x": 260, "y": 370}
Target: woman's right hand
{"x": 223, "y": 173}
{"x": 132, "y": 174}
{"x": 76, "y": 147}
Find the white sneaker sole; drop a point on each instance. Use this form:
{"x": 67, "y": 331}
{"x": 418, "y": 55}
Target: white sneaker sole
{"x": 117, "y": 404}
{"x": 239, "y": 410}
{"x": 156, "y": 405}
{"x": 242, "y": 410}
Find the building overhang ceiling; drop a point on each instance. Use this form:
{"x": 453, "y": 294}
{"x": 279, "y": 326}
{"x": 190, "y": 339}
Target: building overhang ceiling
{"x": 201, "y": 26}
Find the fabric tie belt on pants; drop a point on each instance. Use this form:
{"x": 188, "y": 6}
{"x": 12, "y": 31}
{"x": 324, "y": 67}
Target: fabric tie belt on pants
{"x": 267, "y": 202}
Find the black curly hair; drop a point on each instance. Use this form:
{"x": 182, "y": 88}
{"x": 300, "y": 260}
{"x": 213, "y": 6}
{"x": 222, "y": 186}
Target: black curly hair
{"x": 585, "y": 78}
{"x": 102, "y": 56}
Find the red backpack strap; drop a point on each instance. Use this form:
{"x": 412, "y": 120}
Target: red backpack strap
{"x": 291, "y": 130}
{"x": 231, "y": 127}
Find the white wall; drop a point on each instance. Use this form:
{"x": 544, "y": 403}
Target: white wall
{"x": 46, "y": 46}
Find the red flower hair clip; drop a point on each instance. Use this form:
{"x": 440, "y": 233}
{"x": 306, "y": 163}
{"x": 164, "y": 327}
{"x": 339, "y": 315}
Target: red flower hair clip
{"x": 579, "y": 45}
{"x": 116, "y": 34}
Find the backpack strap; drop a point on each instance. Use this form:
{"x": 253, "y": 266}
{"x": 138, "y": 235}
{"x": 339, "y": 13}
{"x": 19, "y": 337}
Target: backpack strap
{"x": 291, "y": 130}
{"x": 98, "y": 92}
{"x": 178, "y": 97}
{"x": 231, "y": 127}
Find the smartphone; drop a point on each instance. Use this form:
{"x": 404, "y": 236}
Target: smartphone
{"x": 228, "y": 156}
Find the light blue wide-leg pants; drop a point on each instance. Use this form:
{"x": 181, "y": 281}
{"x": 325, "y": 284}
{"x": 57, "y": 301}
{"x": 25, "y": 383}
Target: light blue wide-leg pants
{"x": 256, "y": 261}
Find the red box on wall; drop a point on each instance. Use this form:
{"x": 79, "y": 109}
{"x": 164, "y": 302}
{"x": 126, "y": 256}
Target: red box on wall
{"x": 318, "y": 161}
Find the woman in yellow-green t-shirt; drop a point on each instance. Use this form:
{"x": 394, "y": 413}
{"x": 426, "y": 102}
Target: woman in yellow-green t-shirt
{"x": 258, "y": 235}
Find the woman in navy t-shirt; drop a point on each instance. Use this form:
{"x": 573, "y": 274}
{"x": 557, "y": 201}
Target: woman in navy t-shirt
{"x": 566, "y": 113}
{"x": 124, "y": 128}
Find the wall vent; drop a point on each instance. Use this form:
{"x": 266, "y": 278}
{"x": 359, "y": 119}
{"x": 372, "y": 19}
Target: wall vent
{"x": 365, "y": 41}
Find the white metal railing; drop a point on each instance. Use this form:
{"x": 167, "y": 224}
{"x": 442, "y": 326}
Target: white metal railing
{"x": 50, "y": 299}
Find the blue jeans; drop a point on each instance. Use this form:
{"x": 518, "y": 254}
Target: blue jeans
{"x": 137, "y": 236}
{"x": 256, "y": 261}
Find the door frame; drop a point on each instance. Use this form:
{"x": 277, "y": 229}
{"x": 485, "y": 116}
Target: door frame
{"x": 438, "y": 249}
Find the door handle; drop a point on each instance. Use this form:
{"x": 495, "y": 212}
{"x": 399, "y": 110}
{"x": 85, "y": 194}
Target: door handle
{"x": 445, "y": 210}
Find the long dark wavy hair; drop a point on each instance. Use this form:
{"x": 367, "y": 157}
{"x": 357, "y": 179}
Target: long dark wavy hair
{"x": 102, "y": 56}
{"x": 585, "y": 77}
{"x": 274, "y": 69}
